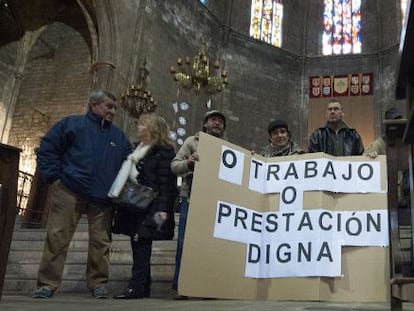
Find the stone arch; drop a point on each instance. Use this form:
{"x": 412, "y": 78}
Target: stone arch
{"x": 89, "y": 14}
{"x": 107, "y": 55}
{"x": 56, "y": 83}
{"x": 29, "y": 21}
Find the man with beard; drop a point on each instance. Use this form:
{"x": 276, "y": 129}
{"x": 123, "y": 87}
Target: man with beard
{"x": 214, "y": 123}
{"x": 336, "y": 137}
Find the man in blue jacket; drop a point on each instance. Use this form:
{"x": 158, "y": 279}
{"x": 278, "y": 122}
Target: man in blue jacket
{"x": 80, "y": 157}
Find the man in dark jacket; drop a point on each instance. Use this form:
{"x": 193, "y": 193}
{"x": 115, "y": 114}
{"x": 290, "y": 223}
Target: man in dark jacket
{"x": 336, "y": 138}
{"x": 79, "y": 157}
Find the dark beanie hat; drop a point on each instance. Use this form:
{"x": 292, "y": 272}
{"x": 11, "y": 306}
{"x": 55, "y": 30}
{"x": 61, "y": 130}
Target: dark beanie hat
{"x": 213, "y": 113}
{"x": 275, "y": 124}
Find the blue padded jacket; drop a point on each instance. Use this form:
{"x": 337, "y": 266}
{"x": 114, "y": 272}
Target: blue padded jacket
{"x": 85, "y": 152}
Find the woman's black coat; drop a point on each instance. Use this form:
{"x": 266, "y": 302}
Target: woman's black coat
{"x": 153, "y": 171}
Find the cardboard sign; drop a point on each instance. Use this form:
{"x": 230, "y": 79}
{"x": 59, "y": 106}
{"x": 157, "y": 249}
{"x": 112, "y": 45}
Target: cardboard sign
{"x": 301, "y": 227}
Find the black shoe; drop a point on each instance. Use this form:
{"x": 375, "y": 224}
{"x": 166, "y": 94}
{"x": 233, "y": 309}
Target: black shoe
{"x": 130, "y": 293}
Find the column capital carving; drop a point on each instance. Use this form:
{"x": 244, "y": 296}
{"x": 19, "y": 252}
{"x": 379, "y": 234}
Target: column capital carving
{"x": 18, "y": 75}
{"x": 102, "y": 64}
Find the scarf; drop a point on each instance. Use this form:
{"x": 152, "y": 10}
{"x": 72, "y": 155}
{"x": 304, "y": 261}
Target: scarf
{"x": 128, "y": 170}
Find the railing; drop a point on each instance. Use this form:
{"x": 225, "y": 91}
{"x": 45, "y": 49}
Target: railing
{"x": 24, "y": 186}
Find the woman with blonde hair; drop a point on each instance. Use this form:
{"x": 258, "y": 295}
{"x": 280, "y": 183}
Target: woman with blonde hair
{"x": 151, "y": 167}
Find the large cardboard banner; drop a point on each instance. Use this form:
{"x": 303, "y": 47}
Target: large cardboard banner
{"x": 302, "y": 227}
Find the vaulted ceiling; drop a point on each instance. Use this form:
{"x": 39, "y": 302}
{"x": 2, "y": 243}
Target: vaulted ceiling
{"x": 19, "y": 16}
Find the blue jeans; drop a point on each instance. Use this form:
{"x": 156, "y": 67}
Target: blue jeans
{"x": 180, "y": 239}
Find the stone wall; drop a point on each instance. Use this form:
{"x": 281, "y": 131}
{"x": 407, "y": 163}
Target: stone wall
{"x": 55, "y": 84}
{"x": 7, "y": 80}
{"x": 108, "y": 41}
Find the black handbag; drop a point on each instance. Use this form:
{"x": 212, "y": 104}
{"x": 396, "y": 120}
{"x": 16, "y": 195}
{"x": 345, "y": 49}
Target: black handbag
{"x": 135, "y": 196}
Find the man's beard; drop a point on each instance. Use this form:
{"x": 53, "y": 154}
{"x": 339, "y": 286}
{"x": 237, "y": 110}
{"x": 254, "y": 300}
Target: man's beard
{"x": 218, "y": 133}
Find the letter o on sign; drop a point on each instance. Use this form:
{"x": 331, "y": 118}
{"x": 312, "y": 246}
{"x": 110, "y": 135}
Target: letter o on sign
{"x": 288, "y": 195}
{"x": 229, "y": 159}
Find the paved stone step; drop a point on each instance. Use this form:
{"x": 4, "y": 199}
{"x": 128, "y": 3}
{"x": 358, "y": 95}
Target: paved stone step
{"x": 159, "y": 272}
{"x": 26, "y": 287}
{"x": 39, "y": 235}
{"x": 123, "y": 244}
{"x": 82, "y": 225}
{"x": 26, "y": 250}
{"x": 161, "y": 256}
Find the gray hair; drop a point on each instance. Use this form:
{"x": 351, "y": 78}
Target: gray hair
{"x": 98, "y": 96}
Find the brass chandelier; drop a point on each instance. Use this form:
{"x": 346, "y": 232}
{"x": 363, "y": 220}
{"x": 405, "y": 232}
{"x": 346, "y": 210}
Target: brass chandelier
{"x": 197, "y": 74}
{"x": 138, "y": 99}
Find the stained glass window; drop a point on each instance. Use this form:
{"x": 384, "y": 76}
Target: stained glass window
{"x": 342, "y": 27}
{"x": 266, "y": 21}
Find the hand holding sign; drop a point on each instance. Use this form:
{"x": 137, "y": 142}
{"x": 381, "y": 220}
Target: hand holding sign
{"x": 191, "y": 160}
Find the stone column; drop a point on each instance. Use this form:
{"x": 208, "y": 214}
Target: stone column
{"x": 10, "y": 99}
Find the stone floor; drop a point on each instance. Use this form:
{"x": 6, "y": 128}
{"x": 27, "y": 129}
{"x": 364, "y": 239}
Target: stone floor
{"x": 80, "y": 302}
